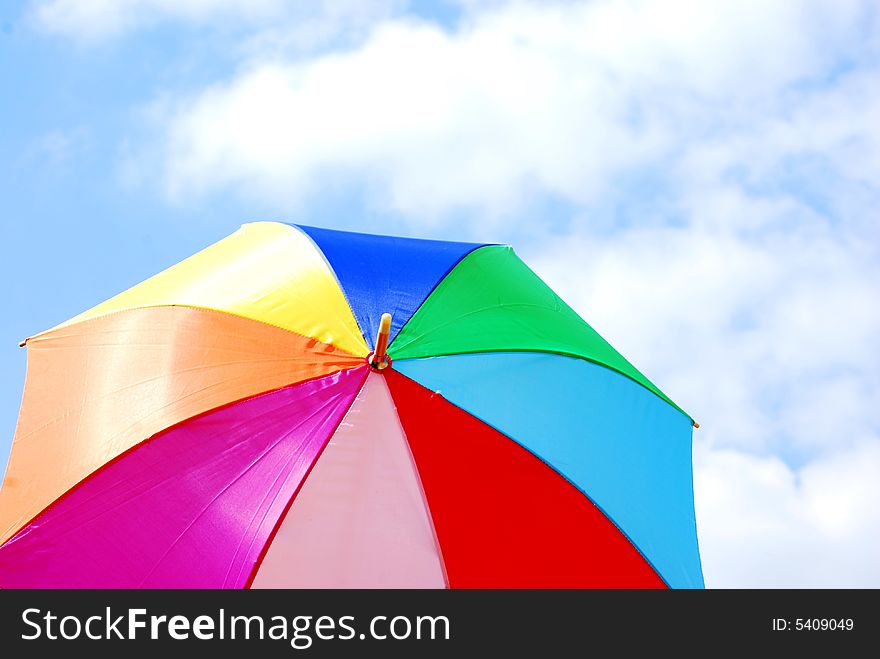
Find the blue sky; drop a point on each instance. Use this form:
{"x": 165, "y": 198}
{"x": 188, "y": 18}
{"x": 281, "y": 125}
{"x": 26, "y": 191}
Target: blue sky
{"x": 699, "y": 180}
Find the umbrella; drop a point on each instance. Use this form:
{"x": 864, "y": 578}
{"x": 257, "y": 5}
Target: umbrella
{"x": 302, "y": 407}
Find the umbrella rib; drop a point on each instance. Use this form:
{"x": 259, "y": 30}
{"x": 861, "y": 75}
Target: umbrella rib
{"x": 656, "y": 391}
{"x": 274, "y": 497}
{"x": 153, "y": 436}
{"x": 252, "y": 464}
{"x": 557, "y": 472}
{"x": 69, "y": 324}
{"x": 258, "y": 563}
{"x": 330, "y": 269}
{"x": 418, "y": 476}
{"x": 437, "y": 286}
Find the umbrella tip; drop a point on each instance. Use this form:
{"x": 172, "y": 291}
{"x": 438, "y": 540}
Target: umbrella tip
{"x": 696, "y": 425}
{"x": 21, "y": 345}
{"x": 379, "y": 358}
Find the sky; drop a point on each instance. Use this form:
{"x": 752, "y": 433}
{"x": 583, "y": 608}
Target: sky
{"x": 700, "y": 181}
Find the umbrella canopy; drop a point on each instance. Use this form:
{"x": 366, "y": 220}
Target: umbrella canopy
{"x": 232, "y": 422}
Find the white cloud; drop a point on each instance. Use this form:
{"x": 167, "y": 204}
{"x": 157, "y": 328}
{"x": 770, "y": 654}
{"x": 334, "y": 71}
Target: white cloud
{"x": 525, "y": 98}
{"x": 722, "y": 161}
{"x": 764, "y": 525}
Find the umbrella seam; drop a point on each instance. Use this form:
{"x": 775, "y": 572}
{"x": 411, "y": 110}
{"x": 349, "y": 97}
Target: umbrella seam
{"x": 561, "y": 353}
{"x": 434, "y": 288}
{"x": 265, "y": 550}
{"x": 66, "y": 324}
{"x": 556, "y": 471}
{"x": 141, "y": 443}
{"x": 418, "y": 476}
{"x": 336, "y": 281}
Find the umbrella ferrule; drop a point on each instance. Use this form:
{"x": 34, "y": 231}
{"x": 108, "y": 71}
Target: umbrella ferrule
{"x": 379, "y": 358}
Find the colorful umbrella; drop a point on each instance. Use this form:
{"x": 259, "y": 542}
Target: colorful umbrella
{"x": 230, "y": 422}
